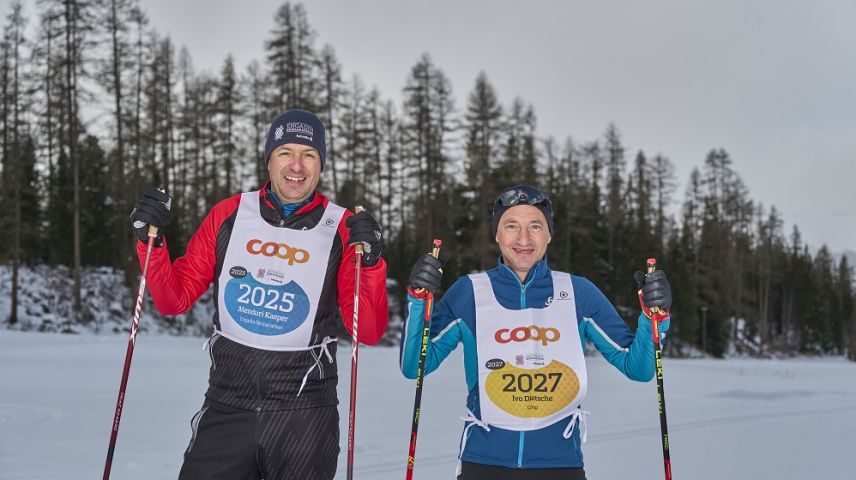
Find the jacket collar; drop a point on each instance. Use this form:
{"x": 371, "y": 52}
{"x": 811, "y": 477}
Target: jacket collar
{"x": 539, "y": 270}
{"x": 268, "y": 197}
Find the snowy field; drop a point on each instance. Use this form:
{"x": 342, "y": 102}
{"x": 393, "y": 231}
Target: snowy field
{"x": 735, "y": 419}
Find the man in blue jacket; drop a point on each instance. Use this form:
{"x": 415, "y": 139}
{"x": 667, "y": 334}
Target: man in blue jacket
{"x": 524, "y": 328}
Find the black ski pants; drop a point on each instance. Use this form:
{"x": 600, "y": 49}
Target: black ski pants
{"x": 477, "y": 471}
{"x": 234, "y": 444}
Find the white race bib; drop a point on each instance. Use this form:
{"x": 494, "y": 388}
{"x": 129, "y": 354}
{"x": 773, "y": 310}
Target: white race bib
{"x": 532, "y": 369}
{"x": 272, "y": 278}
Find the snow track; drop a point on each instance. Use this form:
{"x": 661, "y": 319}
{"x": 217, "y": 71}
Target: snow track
{"x": 737, "y": 419}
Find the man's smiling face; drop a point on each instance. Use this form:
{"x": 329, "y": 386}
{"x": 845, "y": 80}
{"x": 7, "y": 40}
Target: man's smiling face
{"x": 294, "y": 170}
{"x": 523, "y": 236}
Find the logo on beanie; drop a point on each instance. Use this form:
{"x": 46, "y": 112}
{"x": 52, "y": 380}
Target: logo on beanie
{"x": 278, "y": 133}
{"x": 301, "y": 129}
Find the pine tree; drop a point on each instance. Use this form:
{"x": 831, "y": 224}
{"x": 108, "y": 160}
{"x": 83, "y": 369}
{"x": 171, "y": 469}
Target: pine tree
{"x": 662, "y": 177}
{"x": 519, "y": 158}
{"x": 589, "y": 240}
{"x": 484, "y": 131}
{"x": 329, "y": 105}
{"x": 697, "y": 293}
{"x": 258, "y": 116}
{"x": 112, "y": 73}
{"x": 847, "y": 305}
{"x": 769, "y": 239}
{"x": 228, "y": 101}
{"x": 291, "y": 55}
{"x": 13, "y": 139}
{"x": 356, "y": 143}
{"x": 428, "y": 109}
{"x": 615, "y": 211}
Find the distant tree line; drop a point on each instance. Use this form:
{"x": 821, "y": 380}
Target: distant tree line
{"x": 98, "y": 105}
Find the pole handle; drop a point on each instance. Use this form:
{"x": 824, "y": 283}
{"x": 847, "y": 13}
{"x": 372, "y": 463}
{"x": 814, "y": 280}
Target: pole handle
{"x": 359, "y": 247}
{"x": 652, "y": 267}
{"x": 435, "y": 252}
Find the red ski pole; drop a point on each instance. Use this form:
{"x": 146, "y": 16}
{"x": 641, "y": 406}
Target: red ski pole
{"x": 661, "y": 394}
{"x": 420, "y": 374}
{"x": 355, "y": 350}
{"x": 132, "y": 339}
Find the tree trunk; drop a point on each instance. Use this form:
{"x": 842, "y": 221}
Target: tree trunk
{"x": 119, "y": 190}
{"x": 71, "y": 98}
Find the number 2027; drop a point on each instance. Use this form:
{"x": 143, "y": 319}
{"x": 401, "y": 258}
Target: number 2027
{"x": 524, "y": 382}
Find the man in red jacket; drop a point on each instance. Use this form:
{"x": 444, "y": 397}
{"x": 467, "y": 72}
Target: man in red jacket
{"x": 282, "y": 261}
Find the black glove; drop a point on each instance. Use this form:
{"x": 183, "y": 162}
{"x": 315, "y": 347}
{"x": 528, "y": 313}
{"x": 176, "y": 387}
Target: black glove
{"x": 654, "y": 291}
{"x": 364, "y": 229}
{"x": 151, "y": 209}
{"x": 427, "y": 272}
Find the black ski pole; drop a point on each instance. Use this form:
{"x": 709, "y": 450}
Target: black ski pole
{"x": 132, "y": 339}
{"x": 420, "y": 374}
{"x": 661, "y": 394}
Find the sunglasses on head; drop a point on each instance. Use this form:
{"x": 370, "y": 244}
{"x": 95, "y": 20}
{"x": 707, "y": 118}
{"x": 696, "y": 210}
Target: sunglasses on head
{"x": 522, "y": 195}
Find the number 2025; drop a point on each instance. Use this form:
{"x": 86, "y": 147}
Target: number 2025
{"x": 268, "y": 298}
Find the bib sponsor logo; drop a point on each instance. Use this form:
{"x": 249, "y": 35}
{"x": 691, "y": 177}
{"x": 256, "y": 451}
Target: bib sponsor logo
{"x": 522, "y": 334}
{"x": 280, "y": 250}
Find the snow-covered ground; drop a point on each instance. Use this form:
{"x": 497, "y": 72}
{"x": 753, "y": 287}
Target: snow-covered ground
{"x": 734, "y": 419}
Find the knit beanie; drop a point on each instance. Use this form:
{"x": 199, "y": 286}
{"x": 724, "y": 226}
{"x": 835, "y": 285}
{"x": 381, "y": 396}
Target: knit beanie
{"x": 296, "y": 126}
{"x": 522, "y": 195}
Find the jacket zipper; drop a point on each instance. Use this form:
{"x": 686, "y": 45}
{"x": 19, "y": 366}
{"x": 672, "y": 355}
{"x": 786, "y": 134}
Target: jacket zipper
{"x": 258, "y": 381}
{"x": 523, "y": 287}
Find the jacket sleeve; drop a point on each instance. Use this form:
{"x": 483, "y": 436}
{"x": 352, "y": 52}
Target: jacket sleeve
{"x": 632, "y": 354}
{"x": 374, "y": 307}
{"x": 445, "y": 330}
{"x": 175, "y": 286}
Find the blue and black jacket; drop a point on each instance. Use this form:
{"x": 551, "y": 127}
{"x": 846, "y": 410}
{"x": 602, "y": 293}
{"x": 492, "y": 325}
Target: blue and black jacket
{"x": 453, "y": 321}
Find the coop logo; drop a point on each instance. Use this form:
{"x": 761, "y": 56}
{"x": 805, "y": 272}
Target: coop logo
{"x": 522, "y": 334}
{"x": 280, "y": 250}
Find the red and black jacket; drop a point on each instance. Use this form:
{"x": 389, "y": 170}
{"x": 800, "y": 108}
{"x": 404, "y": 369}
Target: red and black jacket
{"x": 251, "y": 378}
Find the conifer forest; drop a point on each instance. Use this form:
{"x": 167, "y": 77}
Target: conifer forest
{"x": 97, "y": 105}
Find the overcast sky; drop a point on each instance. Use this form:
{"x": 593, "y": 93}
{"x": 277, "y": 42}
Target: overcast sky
{"x": 774, "y": 83}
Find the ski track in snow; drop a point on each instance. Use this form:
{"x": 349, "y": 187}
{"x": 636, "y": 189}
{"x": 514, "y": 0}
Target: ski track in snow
{"x": 739, "y": 419}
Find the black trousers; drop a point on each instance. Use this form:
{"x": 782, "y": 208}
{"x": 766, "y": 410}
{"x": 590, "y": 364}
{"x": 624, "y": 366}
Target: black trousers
{"x": 234, "y": 444}
{"x": 477, "y": 471}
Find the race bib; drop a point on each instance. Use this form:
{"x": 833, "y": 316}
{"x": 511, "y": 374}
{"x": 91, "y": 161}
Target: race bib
{"x": 531, "y": 392}
{"x": 266, "y": 309}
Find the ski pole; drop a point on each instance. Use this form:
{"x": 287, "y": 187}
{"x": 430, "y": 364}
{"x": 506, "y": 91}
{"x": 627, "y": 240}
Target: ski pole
{"x": 355, "y": 344}
{"x": 661, "y": 395}
{"x": 420, "y": 373}
{"x": 132, "y": 339}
